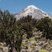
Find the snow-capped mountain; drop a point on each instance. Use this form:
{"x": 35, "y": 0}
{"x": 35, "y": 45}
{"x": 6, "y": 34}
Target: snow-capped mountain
{"x": 32, "y": 10}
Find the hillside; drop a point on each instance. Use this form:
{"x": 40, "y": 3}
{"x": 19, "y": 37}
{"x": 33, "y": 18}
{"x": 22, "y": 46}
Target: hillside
{"x": 28, "y": 31}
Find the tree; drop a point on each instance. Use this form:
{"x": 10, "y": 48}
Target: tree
{"x": 9, "y": 31}
{"x": 27, "y": 25}
{"x": 44, "y": 25}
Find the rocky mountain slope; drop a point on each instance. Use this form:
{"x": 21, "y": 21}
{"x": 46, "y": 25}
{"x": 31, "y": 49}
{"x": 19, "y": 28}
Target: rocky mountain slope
{"x": 32, "y": 10}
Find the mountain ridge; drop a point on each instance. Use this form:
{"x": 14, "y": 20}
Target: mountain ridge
{"x": 32, "y": 10}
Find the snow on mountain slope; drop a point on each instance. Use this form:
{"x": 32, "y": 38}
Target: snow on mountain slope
{"x": 32, "y": 10}
{"x": 31, "y": 6}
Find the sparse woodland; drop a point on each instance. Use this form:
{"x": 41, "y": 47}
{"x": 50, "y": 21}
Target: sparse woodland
{"x": 26, "y": 34}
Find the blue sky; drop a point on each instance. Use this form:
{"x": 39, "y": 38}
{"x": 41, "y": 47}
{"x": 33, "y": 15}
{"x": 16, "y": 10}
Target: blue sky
{"x": 15, "y": 6}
